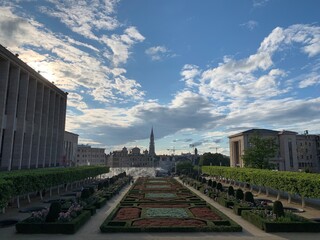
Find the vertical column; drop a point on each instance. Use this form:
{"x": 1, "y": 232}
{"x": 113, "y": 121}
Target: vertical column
{"x": 44, "y": 127}
{"x": 37, "y": 126}
{"x": 62, "y": 118}
{"x": 50, "y": 128}
{"x": 10, "y": 111}
{"x": 27, "y": 142}
{"x": 54, "y": 145}
{"x": 4, "y": 76}
{"x": 21, "y": 116}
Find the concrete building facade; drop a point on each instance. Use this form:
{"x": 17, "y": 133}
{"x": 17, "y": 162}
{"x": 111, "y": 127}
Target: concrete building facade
{"x": 295, "y": 152}
{"x": 70, "y": 147}
{"x": 32, "y": 116}
{"x": 86, "y": 155}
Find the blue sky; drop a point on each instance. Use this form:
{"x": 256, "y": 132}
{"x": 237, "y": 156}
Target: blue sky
{"x": 197, "y": 71}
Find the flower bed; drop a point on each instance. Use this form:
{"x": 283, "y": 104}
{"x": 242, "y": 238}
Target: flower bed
{"x": 289, "y": 223}
{"x": 166, "y": 212}
{"x": 28, "y": 226}
{"x": 169, "y": 206}
{"x": 161, "y": 195}
{"x": 128, "y": 213}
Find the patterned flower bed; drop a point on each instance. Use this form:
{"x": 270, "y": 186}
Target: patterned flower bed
{"x": 160, "y": 195}
{"x": 128, "y": 213}
{"x": 166, "y": 212}
{"x": 163, "y": 204}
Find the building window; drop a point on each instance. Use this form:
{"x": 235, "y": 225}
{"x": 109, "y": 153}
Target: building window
{"x": 290, "y": 154}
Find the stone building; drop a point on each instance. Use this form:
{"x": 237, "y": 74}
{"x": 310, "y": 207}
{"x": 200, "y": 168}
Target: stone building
{"x": 70, "y": 147}
{"x": 87, "y": 155}
{"x": 32, "y": 116}
{"x": 295, "y": 151}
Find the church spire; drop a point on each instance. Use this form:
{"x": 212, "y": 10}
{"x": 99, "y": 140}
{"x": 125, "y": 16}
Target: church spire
{"x": 151, "y": 144}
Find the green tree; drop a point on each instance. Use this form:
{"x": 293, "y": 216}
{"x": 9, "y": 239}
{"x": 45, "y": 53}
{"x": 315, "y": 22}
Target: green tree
{"x": 214, "y": 159}
{"x": 184, "y": 167}
{"x": 260, "y": 151}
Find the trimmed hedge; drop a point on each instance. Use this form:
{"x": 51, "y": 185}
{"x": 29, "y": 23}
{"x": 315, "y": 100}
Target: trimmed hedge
{"x": 304, "y": 226}
{"x": 304, "y": 184}
{"x": 60, "y": 227}
{"x": 15, "y": 183}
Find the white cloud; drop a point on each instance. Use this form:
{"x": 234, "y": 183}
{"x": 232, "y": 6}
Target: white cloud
{"x": 120, "y": 45}
{"x": 259, "y": 3}
{"x": 83, "y": 17}
{"x": 253, "y": 77}
{"x": 67, "y": 65}
{"x": 189, "y": 72}
{"x": 250, "y": 25}
{"x": 157, "y": 53}
{"x": 312, "y": 80}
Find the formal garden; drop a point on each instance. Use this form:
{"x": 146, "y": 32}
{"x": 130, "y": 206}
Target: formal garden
{"x": 165, "y": 205}
{"x": 225, "y": 186}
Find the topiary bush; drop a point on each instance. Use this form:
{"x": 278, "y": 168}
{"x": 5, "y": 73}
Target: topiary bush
{"x": 219, "y": 187}
{"x": 85, "y": 193}
{"x": 91, "y": 189}
{"x": 239, "y": 194}
{"x": 214, "y": 184}
{"x": 248, "y": 197}
{"x": 53, "y": 214}
{"x": 230, "y": 191}
{"x": 278, "y": 209}
{"x": 100, "y": 186}
{"x": 204, "y": 180}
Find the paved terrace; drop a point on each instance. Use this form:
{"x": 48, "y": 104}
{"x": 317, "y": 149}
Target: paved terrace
{"x": 91, "y": 229}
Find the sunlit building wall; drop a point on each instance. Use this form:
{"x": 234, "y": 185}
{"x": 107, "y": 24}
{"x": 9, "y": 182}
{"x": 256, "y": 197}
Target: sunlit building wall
{"x": 32, "y": 116}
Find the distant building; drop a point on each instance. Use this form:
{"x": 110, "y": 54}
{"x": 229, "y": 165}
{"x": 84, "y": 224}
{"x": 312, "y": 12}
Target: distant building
{"x": 134, "y": 158}
{"x": 32, "y": 116}
{"x": 87, "y": 155}
{"x": 70, "y": 147}
{"x": 295, "y": 151}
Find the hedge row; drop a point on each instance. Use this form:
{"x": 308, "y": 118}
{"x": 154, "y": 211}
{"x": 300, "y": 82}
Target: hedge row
{"x": 15, "y": 183}
{"x": 303, "y": 184}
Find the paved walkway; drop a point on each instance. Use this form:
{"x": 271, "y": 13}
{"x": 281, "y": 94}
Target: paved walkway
{"x": 91, "y": 229}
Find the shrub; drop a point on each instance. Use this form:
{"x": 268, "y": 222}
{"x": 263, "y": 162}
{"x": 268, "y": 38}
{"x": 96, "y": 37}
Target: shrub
{"x": 239, "y": 194}
{"x": 200, "y": 179}
{"x": 230, "y": 191}
{"x": 100, "y": 186}
{"x": 214, "y": 184}
{"x": 210, "y": 182}
{"x": 91, "y": 189}
{"x": 204, "y": 180}
{"x": 219, "y": 187}
{"x": 278, "y": 209}
{"x": 248, "y": 197}
{"x": 55, "y": 209}
{"x": 85, "y": 193}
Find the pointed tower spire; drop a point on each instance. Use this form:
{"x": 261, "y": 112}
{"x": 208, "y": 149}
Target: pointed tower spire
{"x": 151, "y": 144}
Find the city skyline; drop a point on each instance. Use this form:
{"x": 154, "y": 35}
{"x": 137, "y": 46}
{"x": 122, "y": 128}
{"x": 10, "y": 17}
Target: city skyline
{"x": 195, "y": 71}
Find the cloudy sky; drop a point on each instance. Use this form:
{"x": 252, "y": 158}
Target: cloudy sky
{"x": 197, "y": 71}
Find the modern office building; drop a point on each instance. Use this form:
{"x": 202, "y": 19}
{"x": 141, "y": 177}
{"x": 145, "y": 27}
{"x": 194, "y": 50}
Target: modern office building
{"x": 86, "y": 155}
{"x": 70, "y": 147}
{"x": 32, "y": 116}
{"x": 295, "y": 151}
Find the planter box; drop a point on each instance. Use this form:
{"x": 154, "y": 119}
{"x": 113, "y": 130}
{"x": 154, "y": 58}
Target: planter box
{"x": 225, "y": 202}
{"x": 304, "y": 226}
{"x": 238, "y": 209}
{"x": 91, "y": 209}
{"x": 55, "y": 227}
{"x": 100, "y": 203}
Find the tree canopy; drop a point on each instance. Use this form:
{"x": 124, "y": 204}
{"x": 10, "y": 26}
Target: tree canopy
{"x": 184, "y": 167}
{"x": 214, "y": 159}
{"x": 260, "y": 151}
